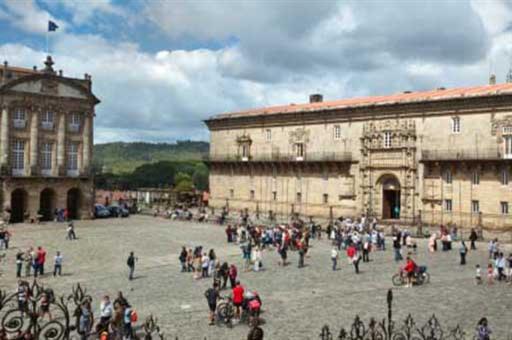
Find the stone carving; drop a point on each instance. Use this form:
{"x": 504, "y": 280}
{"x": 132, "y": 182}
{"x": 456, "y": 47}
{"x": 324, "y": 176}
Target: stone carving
{"x": 299, "y": 135}
{"x": 497, "y": 125}
{"x": 49, "y": 86}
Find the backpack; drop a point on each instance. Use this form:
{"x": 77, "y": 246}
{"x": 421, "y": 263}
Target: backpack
{"x": 254, "y": 305}
{"x": 133, "y": 316}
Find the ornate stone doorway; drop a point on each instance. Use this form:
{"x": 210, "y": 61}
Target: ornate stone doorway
{"x": 18, "y": 205}
{"x": 73, "y": 203}
{"x": 390, "y": 197}
{"x": 47, "y": 204}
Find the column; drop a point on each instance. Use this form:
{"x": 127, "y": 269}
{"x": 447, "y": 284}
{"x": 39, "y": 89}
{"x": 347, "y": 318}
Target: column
{"x": 4, "y": 138}
{"x": 86, "y": 145}
{"x": 33, "y": 143}
{"x": 61, "y": 145}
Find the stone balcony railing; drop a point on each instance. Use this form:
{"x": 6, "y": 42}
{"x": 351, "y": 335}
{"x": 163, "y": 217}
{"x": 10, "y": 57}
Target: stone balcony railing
{"x": 463, "y": 155}
{"x": 283, "y": 157}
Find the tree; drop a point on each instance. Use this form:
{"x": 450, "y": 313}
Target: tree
{"x": 183, "y": 182}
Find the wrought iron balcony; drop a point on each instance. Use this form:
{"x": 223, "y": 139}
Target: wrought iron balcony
{"x": 463, "y": 155}
{"x": 283, "y": 157}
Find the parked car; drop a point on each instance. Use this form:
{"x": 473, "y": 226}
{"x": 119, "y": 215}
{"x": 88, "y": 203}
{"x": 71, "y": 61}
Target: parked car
{"x": 100, "y": 211}
{"x": 117, "y": 211}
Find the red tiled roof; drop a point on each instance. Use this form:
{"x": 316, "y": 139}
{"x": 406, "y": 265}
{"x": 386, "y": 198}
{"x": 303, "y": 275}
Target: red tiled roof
{"x": 400, "y": 98}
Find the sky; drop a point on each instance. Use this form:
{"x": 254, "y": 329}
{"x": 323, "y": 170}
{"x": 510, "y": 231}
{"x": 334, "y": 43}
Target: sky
{"x": 161, "y": 67}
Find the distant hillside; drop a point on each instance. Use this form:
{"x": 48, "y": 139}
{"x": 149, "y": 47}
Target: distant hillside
{"x": 122, "y": 157}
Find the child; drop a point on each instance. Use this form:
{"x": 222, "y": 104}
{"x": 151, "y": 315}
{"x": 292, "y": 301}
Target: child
{"x": 490, "y": 274}
{"x": 478, "y": 277}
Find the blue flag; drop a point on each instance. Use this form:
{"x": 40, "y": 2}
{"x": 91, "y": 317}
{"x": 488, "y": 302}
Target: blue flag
{"x": 52, "y": 27}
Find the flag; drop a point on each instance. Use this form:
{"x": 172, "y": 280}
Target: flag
{"x": 52, "y": 27}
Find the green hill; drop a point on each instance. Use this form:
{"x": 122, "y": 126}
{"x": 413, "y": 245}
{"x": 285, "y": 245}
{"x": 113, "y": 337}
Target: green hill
{"x": 122, "y": 157}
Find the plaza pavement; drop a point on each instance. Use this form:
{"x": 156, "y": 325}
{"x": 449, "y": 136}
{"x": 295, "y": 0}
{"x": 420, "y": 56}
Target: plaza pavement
{"x": 296, "y": 302}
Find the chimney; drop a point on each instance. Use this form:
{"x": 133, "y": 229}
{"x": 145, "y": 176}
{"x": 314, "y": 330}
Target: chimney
{"x": 492, "y": 79}
{"x": 316, "y": 98}
{"x": 60, "y": 73}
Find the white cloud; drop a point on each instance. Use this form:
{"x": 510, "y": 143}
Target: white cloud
{"x": 83, "y": 11}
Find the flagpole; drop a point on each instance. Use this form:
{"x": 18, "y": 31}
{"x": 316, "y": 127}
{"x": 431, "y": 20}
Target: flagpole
{"x": 47, "y": 44}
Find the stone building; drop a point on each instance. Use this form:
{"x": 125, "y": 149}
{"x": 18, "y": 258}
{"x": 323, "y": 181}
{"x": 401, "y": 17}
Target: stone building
{"x": 440, "y": 156}
{"x": 46, "y": 138}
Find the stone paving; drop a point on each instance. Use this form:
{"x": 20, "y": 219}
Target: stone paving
{"x": 296, "y": 302}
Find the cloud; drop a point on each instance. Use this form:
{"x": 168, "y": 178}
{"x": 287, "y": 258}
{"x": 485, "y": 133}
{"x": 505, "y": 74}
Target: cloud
{"x": 27, "y": 16}
{"x": 278, "y": 53}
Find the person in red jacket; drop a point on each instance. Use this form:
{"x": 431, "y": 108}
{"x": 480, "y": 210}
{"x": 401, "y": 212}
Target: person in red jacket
{"x": 410, "y": 270}
{"x": 238, "y": 298}
{"x": 353, "y": 256}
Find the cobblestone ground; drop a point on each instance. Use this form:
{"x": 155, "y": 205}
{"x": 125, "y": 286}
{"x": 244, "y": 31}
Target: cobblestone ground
{"x": 296, "y": 302}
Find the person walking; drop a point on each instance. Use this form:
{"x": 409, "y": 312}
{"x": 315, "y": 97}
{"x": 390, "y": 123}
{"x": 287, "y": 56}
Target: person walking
{"x": 212, "y": 295}
{"x": 397, "y": 247}
{"x": 57, "y": 264}
{"x": 302, "y": 253}
{"x": 183, "y": 259}
{"x": 334, "y": 258}
{"x": 28, "y": 262}
{"x": 257, "y": 259}
{"x": 224, "y": 273}
{"x": 233, "y": 272}
{"x": 19, "y": 263}
{"x": 131, "y": 265}
{"x": 238, "y": 298}
{"x": 463, "y": 251}
{"x": 41, "y": 259}
{"x": 71, "y": 231}
{"x": 353, "y": 256}
{"x": 500, "y": 265}
{"x": 473, "y": 236}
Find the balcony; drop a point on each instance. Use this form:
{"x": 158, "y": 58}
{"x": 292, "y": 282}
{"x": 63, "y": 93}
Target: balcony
{"x": 18, "y": 172}
{"x": 492, "y": 154}
{"x": 73, "y": 127}
{"x": 291, "y": 157}
{"x": 19, "y": 123}
{"x": 72, "y": 172}
{"x": 47, "y": 125}
{"x": 46, "y": 172}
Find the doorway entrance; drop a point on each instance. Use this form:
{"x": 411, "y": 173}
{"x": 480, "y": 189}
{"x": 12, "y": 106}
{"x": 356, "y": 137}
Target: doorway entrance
{"x": 18, "y": 205}
{"x": 73, "y": 203}
{"x": 390, "y": 198}
{"x": 47, "y": 204}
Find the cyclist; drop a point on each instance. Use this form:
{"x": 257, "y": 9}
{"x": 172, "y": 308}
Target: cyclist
{"x": 410, "y": 270}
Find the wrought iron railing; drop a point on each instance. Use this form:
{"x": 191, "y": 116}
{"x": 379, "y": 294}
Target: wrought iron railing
{"x": 388, "y": 329}
{"x": 26, "y": 319}
{"x": 462, "y": 154}
{"x": 282, "y": 157}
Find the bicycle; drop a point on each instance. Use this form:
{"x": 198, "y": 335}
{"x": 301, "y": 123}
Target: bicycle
{"x": 421, "y": 276}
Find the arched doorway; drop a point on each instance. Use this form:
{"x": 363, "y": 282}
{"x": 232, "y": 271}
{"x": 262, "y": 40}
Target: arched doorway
{"x": 73, "y": 203}
{"x": 47, "y": 200}
{"x": 390, "y": 197}
{"x": 18, "y": 205}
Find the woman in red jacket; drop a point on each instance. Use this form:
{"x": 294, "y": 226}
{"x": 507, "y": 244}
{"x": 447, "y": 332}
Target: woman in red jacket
{"x": 410, "y": 269}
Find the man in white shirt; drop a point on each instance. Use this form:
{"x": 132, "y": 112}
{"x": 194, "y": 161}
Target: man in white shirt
{"x": 106, "y": 310}
{"x": 57, "y": 264}
{"x": 334, "y": 258}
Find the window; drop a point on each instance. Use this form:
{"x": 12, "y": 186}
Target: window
{"x": 299, "y": 197}
{"x": 274, "y": 195}
{"x": 18, "y": 156}
{"x": 268, "y": 135}
{"x": 504, "y": 208}
{"x": 47, "y": 120}
{"x": 448, "y": 176}
{"x": 476, "y": 178}
{"x": 455, "y": 125}
{"x": 231, "y": 193}
{"x": 504, "y": 177}
{"x": 73, "y": 156}
{"x": 508, "y": 146}
{"x": 447, "y": 205}
{"x": 337, "y": 132}
{"x": 245, "y": 151}
{"x": 46, "y": 156}
{"x": 387, "y": 139}
{"x": 299, "y": 150}
{"x": 326, "y": 198}
{"x": 74, "y": 122}
{"x": 252, "y": 194}
{"x": 475, "y": 206}
{"x": 19, "y": 119}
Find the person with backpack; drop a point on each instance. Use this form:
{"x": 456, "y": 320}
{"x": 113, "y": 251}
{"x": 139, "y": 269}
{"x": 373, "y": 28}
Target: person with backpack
{"x": 212, "y": 295}
{"x": 131, "y": 265}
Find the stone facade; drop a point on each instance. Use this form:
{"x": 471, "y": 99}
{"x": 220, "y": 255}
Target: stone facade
{"x": 46, "y": 138}
{"x": 440, "y": 156}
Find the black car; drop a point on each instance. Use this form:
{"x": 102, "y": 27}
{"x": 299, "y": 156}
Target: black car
{"x": 117, "y": 211}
